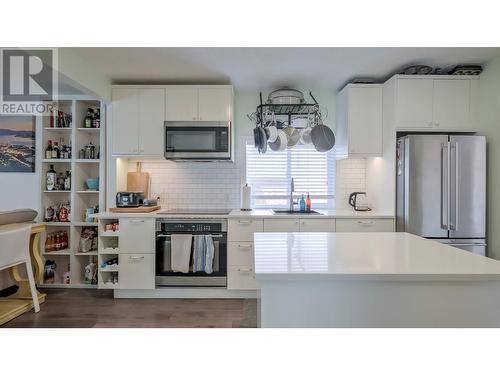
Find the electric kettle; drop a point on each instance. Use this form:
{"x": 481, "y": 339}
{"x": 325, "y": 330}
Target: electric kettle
{"x": 358, "y": 201}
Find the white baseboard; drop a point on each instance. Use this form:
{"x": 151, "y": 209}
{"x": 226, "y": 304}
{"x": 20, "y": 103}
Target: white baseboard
{"x": 168, "y": 292}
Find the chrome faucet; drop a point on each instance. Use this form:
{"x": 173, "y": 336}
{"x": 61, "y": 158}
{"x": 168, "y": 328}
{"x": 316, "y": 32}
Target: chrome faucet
{"x": 292, "y": 202}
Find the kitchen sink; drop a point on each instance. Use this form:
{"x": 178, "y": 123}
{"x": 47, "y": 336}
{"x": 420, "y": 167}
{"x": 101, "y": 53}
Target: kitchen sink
{"x": 288, "y": 212}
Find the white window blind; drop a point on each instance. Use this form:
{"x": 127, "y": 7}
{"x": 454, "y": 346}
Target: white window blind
{"x": 269, "y": 175}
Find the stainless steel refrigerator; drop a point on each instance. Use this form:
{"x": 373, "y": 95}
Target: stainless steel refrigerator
{"x": 441, "y": 189}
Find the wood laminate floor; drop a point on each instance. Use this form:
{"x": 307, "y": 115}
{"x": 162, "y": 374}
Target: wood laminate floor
{"x": 84, "y": 308}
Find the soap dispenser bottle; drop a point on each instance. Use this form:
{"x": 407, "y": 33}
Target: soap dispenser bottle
{"x": 302, "y": 204}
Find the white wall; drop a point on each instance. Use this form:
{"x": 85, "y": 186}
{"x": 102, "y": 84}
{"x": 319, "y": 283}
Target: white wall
{"x": 73, "y": 64}
{"x": 489, "y": 83}
{"x": 21, "y": 190}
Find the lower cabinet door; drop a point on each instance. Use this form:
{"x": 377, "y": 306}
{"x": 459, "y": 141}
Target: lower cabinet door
{"x": 240, "y": 253}
{"x": 136, "y": 271}
{"x": 365, "y": 225}
{"x": 241, "y": 277}
{"x": 317, "y": 225}
{"x": 281, "y": 225}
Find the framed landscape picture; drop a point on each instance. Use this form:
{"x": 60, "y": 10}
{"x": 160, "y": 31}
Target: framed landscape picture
{"x": 17, "y": 144}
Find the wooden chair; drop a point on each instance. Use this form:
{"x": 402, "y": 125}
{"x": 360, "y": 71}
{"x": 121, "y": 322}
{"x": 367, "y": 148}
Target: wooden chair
{"x": 14, "y": 250}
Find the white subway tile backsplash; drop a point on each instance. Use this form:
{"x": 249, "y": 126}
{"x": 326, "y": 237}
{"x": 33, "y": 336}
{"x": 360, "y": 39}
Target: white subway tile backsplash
{"x": 194, "y": 185}
{"x": 350, "y": 176}
{"x": 217, "y": 185}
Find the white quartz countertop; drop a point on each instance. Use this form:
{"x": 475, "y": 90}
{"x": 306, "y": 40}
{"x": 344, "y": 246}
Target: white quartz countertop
{"x": 257, "y": 214}
{"x": 365, "y": 256}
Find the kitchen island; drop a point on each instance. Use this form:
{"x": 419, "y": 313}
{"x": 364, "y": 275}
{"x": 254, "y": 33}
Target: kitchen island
{"x": 372, "y": 280}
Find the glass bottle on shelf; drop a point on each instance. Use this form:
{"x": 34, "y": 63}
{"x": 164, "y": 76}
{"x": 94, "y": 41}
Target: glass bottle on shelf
{"x": 65, "y": 240}
{"x": 67, "y": 181}
{"x": 92, "y": 151}
{"x": 48, "y": 241}
{"x": 55, "y": 151}
{"x": 88, "y": 119}
{"x": 48, "y": 151}
{"x": 97, "y": 118}
{"x": 51, "y": 178}
{"x": 58, "y": 242}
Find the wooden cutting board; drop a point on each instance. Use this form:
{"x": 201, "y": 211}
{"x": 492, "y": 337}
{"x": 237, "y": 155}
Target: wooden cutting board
{"x": 138, "y": 181}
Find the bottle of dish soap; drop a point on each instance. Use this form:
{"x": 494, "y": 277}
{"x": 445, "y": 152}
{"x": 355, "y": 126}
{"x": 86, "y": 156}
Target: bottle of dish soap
{"x": 308, "y": 203}
{"x": 302, "y": 204}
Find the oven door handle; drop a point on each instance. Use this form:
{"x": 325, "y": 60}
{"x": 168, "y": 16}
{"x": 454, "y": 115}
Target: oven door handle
{"x": 169, "y": 235}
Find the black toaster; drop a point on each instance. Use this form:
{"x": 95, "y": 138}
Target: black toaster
{"x": 129, "y": 199}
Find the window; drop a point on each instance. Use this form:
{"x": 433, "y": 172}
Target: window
{"x": 269, "y": 176}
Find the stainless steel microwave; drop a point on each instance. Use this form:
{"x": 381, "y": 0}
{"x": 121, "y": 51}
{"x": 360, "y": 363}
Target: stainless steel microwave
{"x": 186, "y": 140}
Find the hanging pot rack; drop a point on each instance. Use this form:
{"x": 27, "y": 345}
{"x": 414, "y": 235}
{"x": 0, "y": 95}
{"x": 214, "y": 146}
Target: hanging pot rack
{"x": 289, "y": 110}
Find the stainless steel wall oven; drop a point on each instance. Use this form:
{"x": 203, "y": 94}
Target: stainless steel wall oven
{"x": 217, "y": 229}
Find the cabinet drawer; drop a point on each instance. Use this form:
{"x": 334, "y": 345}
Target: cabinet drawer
{"x": 137, "y": 236}
{"x": 241, "y": 277}
{"x": 365, "y": 225}
{"x": 137, "y": 271}
{"x": 281, "y": 225}
{"x": 243, "y": 229}
{"x": 240, "y": 254}
{"x": 317, "y": 225}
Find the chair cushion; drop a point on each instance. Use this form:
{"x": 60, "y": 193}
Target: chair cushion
{"x": 22, "y": 215}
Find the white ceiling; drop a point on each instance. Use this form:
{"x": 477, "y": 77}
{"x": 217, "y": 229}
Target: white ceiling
{"x": 264, "y": 68}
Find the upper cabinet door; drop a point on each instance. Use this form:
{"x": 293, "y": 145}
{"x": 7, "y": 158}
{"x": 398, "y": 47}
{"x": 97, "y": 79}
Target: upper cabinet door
{"x": 152, "y": 117}
{"x": 125, "y": 121}
{"x": 182, "y": 103}
{"x": 365, "y": 120}
{"x": 414, "y": 103}
{"x": 214, "y": 104}
{"x": 452, "y": 104}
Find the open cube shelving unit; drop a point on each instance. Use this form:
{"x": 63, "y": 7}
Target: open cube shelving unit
{"x": 79, "y": 196}
{"x": 108, "y": 248}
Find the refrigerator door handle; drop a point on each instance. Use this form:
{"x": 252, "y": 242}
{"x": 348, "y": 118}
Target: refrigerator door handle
{"x": 454, "y": 187}
{"x": 445, "y": 183}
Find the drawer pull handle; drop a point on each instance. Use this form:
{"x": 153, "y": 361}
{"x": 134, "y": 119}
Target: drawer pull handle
{"x": 245, "y": 270}
{"x": 365, "y": 222}
{"x": 245, "y": 246}
{"x": 245, "y": 222}
{"x": 136, "y": 258}
{"x": 137, "y": 221}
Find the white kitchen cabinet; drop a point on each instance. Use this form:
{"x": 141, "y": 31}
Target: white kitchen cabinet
{"x": 137, "y": 235}
{"x": 317, "y": 225}
{"x": 137, "y": 122}
{"x": 243, "y": 229}
{"x": 242, "y": 278}
{"x": 282, "y": 225}
{"x": 359, "y": 121}
{"x": 199, "y": 103}
{"x": 451, "y": 104}
{"x": 240, "y": 254}
{"x": 125, "y": 121}
{"x": 137, "y": 271}
{"x": 436, "y": 103}
{"x": 152, "y": 117}
{"x": 182, "y": 103}
{"x": 299, "y": 225}
{"x": 364, "y": 225}
{"x": 414, "y": 103}
{"x": 214, "y": 104}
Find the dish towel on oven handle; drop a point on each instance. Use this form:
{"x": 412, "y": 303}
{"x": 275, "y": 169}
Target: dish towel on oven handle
{"x": 209, "y": 254}
{"x": 203, "y": 253}
{"x": 180, "y": 252}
